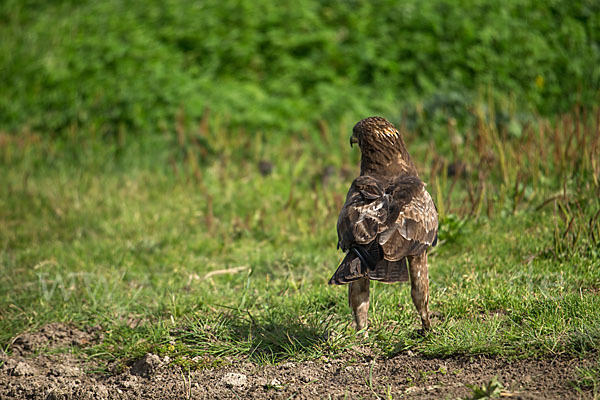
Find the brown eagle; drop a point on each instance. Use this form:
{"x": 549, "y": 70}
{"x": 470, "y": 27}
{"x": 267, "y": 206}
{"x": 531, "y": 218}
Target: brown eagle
{"x": 387, "y": 223}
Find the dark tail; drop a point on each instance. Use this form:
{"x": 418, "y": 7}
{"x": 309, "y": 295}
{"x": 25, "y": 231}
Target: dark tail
{"x": 390, "y": 271}
{"x": 349, "y": 270}
{"x": 355, "y": 266}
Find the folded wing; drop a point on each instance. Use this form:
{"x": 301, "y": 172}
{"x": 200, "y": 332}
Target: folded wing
{"x": 365, "y": 213}
{"x": 413, "y": 230}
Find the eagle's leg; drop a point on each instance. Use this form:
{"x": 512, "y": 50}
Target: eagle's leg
{"x": 358, "y": 297}
{"x": 419, "y": 287}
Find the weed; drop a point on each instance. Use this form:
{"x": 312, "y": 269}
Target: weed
{"x": 491, "y": 390}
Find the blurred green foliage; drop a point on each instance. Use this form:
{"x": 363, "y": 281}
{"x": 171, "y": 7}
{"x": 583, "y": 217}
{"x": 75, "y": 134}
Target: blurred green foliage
{"x": 114, "y": 65}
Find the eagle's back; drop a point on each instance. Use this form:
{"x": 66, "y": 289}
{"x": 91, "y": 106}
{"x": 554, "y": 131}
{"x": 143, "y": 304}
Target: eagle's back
{"x": 384, "y": 220}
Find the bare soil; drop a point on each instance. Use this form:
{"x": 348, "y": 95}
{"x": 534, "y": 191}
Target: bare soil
{"x": 31, "y": 370}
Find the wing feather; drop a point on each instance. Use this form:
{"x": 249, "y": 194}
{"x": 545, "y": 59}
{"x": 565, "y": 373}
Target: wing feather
{"x": 414, "y": 229}
{"x": 364, "y": 214}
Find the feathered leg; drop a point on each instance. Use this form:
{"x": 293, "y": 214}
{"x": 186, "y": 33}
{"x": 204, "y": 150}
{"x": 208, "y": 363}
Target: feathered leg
{"x": 358, "y": 297}
{"x": 419, "y": 287}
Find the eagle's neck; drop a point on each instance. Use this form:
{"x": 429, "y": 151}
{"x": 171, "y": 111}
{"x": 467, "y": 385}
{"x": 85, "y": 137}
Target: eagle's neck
{"x": 386, "y": 159}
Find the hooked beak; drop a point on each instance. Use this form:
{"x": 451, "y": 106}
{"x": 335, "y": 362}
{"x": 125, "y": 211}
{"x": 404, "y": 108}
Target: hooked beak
{"x": 353, "y": 140}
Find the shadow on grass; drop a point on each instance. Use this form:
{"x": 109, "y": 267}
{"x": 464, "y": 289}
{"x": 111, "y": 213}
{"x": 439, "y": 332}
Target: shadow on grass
{"x": 275, "y": 342}
{"x": 271, "y": 340}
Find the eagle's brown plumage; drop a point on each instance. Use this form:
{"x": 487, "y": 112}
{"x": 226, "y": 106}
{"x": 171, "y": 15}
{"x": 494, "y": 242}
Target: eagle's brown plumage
{"x": 388, "y": 218}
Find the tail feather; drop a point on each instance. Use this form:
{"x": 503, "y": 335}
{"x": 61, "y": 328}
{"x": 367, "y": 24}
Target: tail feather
{"x": 390, "y": 271}
{"x": 352, "y": 268}
{"x": 349, "y": 270}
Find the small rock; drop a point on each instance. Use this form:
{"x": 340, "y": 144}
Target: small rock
{"x": 147, "y": 365}
{"x": 261, "y": 381}
{"x": 233, "y": 379}
{"x": 128, "y": 383}
{"x": 65, "y": 371}
{"x": 8, "y": 364}
{"x": 307, "y": 375}
{"x": 275, "y": 383}
{"x": 53, "y": 395}
{"x": 23, "y": 369}
{"x": 101, "y": 391}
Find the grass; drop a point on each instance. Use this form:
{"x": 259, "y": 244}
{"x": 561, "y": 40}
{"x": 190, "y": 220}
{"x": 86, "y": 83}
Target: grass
{"x": 180, "y": 245}
{"x": 588, "y": 378}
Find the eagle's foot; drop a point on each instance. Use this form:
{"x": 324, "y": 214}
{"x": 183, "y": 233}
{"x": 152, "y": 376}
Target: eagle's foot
{"x": 426, "y": 323}
{"x": 361, "y": 322}
{"x": 363, "y": 333}
{"x": 425, "y": 329}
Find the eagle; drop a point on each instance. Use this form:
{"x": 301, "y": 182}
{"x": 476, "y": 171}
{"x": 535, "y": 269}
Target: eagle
{"x": 387, "y": 223}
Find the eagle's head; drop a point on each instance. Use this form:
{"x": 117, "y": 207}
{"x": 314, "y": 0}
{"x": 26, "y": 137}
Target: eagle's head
{"x": 373, "y": 130}
{"x": 382, "y": 148}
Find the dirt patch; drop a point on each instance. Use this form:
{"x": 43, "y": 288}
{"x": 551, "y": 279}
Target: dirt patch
{"x": 53, "y": 336}
{"x": 354, "y": 375}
